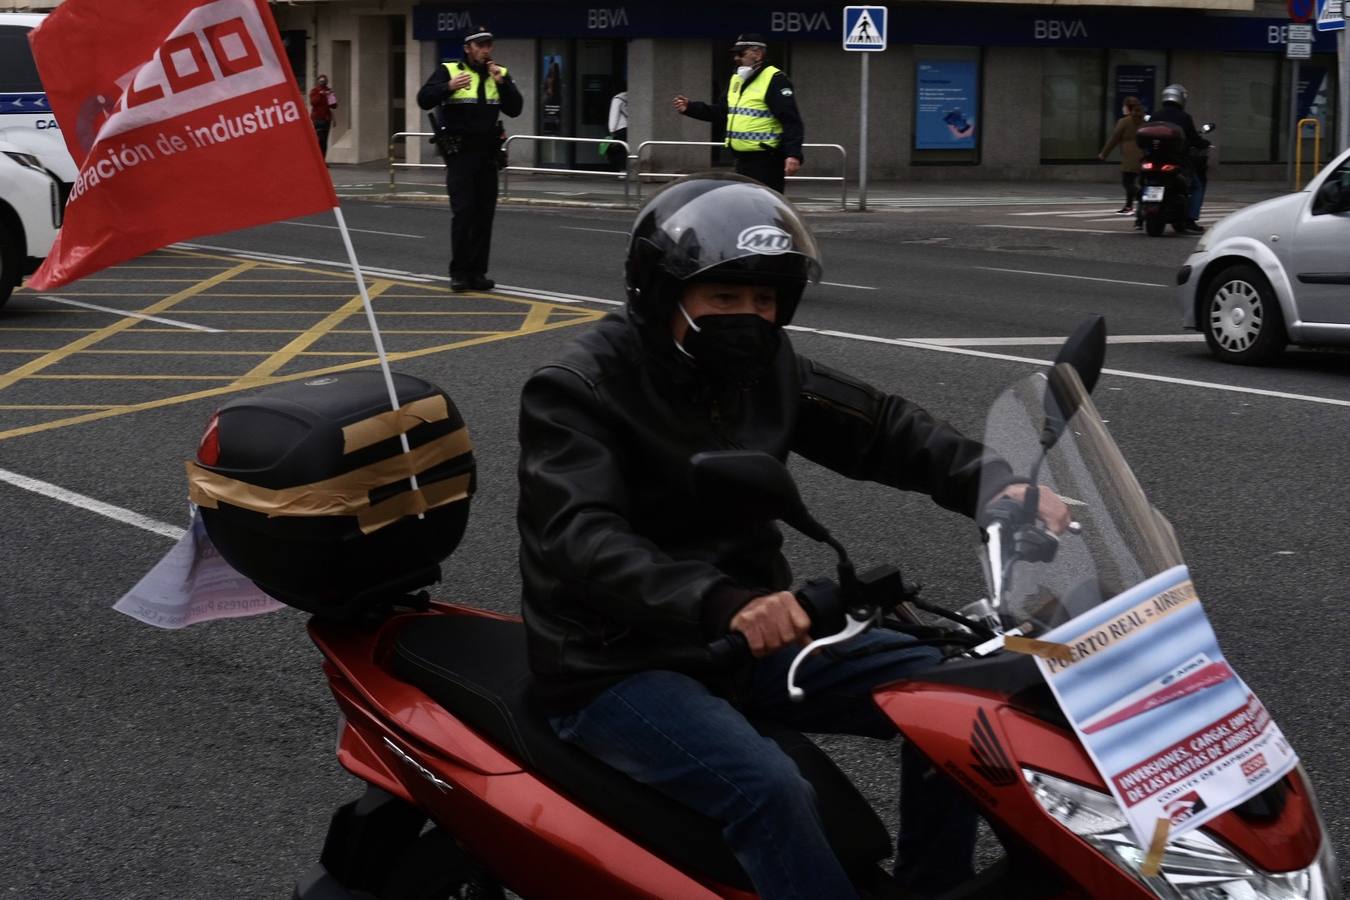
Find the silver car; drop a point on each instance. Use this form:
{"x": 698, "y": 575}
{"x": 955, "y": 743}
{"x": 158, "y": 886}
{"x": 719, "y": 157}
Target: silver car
{"x": 1274, "y": 273}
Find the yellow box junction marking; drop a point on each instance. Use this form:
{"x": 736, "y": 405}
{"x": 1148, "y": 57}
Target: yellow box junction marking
{"x": 534, "y": 317}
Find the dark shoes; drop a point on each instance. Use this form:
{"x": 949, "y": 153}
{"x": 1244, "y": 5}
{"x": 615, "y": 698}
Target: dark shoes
{"x": 472, "y": 283}
{"x": 1191, "y": 227}
{"x": 1126, "y": 210}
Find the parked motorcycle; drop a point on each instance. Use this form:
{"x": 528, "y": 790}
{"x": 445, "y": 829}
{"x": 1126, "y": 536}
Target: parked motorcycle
{"x": 468, "y": 791}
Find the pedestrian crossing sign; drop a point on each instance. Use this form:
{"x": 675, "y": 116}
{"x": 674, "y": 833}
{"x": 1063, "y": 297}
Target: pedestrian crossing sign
{"x": 865, "y": 28}
{"x": 1330, "y": 15}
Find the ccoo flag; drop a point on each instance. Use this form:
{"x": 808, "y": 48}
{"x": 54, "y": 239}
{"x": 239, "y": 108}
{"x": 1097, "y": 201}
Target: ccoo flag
{"x": 185, "y": 120}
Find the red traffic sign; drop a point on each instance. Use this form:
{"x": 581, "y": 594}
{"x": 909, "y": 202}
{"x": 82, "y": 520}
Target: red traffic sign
{"x": 1302, "y": 10}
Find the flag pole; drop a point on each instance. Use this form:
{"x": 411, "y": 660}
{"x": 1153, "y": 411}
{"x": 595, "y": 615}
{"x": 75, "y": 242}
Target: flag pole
{"x": 374, "y": 332}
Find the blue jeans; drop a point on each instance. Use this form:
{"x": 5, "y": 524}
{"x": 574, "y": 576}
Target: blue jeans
{"x": 671, "y": 732}
{"x": 1197, "y": 198}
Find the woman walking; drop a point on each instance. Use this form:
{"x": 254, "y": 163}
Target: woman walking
{"x": 1130, "y": 155}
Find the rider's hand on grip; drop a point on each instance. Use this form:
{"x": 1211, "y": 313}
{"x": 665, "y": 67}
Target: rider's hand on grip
{"x": 772, "y": 622}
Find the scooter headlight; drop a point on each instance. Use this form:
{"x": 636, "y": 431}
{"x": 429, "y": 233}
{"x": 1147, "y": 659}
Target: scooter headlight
{"x": 1194, "y": 866}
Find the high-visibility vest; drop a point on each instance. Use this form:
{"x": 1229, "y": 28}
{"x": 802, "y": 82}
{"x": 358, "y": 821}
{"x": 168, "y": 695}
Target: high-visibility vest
{"x": 750, "y": 124}
{"x": 469, "y": 93}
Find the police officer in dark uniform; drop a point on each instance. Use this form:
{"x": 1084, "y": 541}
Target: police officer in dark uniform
{"x": 466, "y": 97}
{"x": 764, "y": 128}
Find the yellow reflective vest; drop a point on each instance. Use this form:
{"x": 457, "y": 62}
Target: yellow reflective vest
{"x": 469, "y": 93}
{"x": 750, "y": 124}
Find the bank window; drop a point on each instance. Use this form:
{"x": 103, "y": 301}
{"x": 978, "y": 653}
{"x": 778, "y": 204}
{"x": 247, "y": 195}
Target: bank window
{"x": 1073, "y": 95}
{"x": 1248, "y": 107}
{"x": 1316, "y": 100}
{"x": 947, "y": 105}
{"x": 1134, "y": 73}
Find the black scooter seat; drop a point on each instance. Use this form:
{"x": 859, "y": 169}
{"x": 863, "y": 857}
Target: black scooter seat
{"x": 476, "y": 668}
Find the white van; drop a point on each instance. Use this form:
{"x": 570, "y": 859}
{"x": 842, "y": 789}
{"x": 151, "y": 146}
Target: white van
{"x": 30, "y": 213}
{"x": 26, "y": 118}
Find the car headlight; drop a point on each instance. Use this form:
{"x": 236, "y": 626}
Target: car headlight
{"x": 1203, "y": 244}
{"x": 1194, "y": 866}
{"x": 27, "y": 160}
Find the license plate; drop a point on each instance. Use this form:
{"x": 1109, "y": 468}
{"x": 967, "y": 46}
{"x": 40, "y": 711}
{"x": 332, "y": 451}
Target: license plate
{"x": 1154, "y": 194}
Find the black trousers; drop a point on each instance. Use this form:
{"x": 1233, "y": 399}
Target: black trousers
{"x": 765, "y": 166}
{"x": 321, "y": 128}
{"x": 471, "y": 182}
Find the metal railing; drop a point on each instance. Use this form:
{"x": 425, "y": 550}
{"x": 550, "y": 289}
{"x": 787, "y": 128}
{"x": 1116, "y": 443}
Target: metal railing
{"x": 631, "y": 175}
{"x": 842, "y": 178}
{"x": 595, "y": 173}
{"x": 1298, "y": 149}
{"x": 393, "y": 166}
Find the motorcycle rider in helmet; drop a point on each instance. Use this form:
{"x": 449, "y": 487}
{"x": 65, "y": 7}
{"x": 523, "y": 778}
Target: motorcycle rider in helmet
{"x": 1173, "y": 110}
{"x": 627, "y": 576}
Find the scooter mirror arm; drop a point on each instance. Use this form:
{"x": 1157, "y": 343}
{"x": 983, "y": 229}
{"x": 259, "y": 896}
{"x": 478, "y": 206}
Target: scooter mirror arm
{"x": 852, "y": 628}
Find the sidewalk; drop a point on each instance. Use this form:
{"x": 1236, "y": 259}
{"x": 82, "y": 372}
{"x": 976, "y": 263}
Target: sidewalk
{"x": 370, "y": 181}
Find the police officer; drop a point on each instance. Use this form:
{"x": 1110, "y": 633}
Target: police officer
{"x": 764, "y": 128}
{"x": 467, "y": 97}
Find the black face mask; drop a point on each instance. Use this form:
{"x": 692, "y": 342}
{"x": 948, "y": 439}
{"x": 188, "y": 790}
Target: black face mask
{"x": 736, "y": 348}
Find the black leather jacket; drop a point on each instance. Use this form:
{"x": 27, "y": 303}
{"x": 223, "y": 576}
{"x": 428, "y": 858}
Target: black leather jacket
{"x": 624, "y": 569}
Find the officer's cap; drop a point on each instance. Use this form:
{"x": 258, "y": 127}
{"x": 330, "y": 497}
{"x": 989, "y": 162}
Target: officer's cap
{"x": 478, "y": 35}
{"x": 749, "y": 40}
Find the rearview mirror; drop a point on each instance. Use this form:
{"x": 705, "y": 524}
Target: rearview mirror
{"x": 752, "y": 484}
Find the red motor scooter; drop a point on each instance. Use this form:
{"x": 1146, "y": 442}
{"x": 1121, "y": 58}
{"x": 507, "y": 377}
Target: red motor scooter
{"x": 468, "y": 791}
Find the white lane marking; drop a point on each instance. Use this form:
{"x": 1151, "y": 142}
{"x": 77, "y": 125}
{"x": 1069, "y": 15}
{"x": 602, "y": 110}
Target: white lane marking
{"x": 982, "y": 201}
{"x": 860, "y": 287}
{"x": 601, "y": 230}
{"x": 130, "y": 315}
{"x": 529, "y": 293}
{"x": 124, "y": 516}
{"x": 420, "y": 237}
{"x": 1062, "y": 275}
{"x": 1065, "y": 212}
{"x": 1051, "y": 228}
{"x": 1122, "y": 373}
{"x": 1056, "y": 341}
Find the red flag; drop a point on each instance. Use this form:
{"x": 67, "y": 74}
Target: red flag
{"x": 186, "y": 121}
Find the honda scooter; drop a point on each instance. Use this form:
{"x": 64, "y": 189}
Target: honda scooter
{"x": 468, "y": 792}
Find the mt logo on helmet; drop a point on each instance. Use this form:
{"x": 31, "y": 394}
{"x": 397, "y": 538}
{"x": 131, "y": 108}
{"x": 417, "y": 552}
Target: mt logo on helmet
{"x": 767, "y": 239}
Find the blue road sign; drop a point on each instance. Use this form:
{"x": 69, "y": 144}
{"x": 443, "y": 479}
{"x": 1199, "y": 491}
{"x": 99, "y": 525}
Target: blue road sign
{"x": 865, "y": 28}
{"x": 1330, "y": 15}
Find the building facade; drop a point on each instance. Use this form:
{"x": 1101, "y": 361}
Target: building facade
{"x": 964, "y": 89}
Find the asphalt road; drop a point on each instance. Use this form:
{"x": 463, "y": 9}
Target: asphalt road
{"x": 198, "y": 763}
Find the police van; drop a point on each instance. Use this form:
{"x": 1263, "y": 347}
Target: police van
{"x": 36, "y": 171}
{"x": 26, "y": 118}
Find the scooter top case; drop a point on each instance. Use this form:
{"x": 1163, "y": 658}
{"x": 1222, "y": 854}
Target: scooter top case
{"x": 305, "y": 488}
{"x": 1162, "y": 142}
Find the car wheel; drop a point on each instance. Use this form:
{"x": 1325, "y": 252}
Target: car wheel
{"x": 9, "y": 262}
{"x": 1241, "y": 316}
{"x": 1154, "y": 225}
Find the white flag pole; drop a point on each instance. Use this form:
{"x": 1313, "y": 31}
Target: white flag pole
{"x": 374, "y": 331}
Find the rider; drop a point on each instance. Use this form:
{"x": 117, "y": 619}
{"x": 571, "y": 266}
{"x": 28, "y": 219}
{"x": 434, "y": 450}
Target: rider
{"x": 1173, "y": 110}
{"x": 628, "y": 576}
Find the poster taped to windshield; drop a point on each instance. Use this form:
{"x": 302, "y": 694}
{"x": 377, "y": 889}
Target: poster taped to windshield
{"x": 1170, "y": 726}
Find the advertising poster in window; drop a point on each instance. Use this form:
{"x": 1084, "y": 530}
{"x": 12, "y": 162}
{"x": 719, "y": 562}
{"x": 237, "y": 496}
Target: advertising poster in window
{"x": 945, "y": 104}
{"x": 551, "y": 95}
{"x": 1135, "y": 81}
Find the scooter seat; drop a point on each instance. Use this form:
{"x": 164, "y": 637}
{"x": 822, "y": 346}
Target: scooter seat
{"x": 476, "y": 668}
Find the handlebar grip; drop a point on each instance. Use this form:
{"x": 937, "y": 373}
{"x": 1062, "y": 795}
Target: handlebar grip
{"x": 729, "y": 650}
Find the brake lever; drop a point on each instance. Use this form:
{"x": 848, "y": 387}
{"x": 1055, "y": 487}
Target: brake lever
{"x": 852, "y": 628}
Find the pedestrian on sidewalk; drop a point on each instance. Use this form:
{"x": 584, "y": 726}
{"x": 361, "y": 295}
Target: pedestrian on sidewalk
{"x": 467, "y": 96}
{"x": 322, "y": 102}
{"x": 764, "y": 128}
{"x": 618, "y": 130}
{"x": 1132, "y": 116}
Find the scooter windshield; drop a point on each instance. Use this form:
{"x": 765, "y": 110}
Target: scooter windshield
{"x": 1123, "y": 540}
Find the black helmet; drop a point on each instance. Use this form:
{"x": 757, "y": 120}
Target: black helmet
{"x": 716, "y": 227}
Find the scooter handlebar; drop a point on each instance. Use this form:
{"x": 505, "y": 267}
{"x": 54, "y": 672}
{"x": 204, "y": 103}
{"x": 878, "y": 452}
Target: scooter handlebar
{"x": 729, "y": 650}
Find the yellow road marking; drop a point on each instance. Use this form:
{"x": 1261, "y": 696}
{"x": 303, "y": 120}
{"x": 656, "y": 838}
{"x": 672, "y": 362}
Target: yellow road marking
{"x": 279, "y": 379}
{"x": 20, "y": 406}
{"x": 88, "y": 340}
{"x": 210, "y": 352}
{"x": 307, "y": 338}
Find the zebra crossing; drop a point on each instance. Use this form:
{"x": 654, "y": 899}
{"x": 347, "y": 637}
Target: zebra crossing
{"x": 1208, "y": 215}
